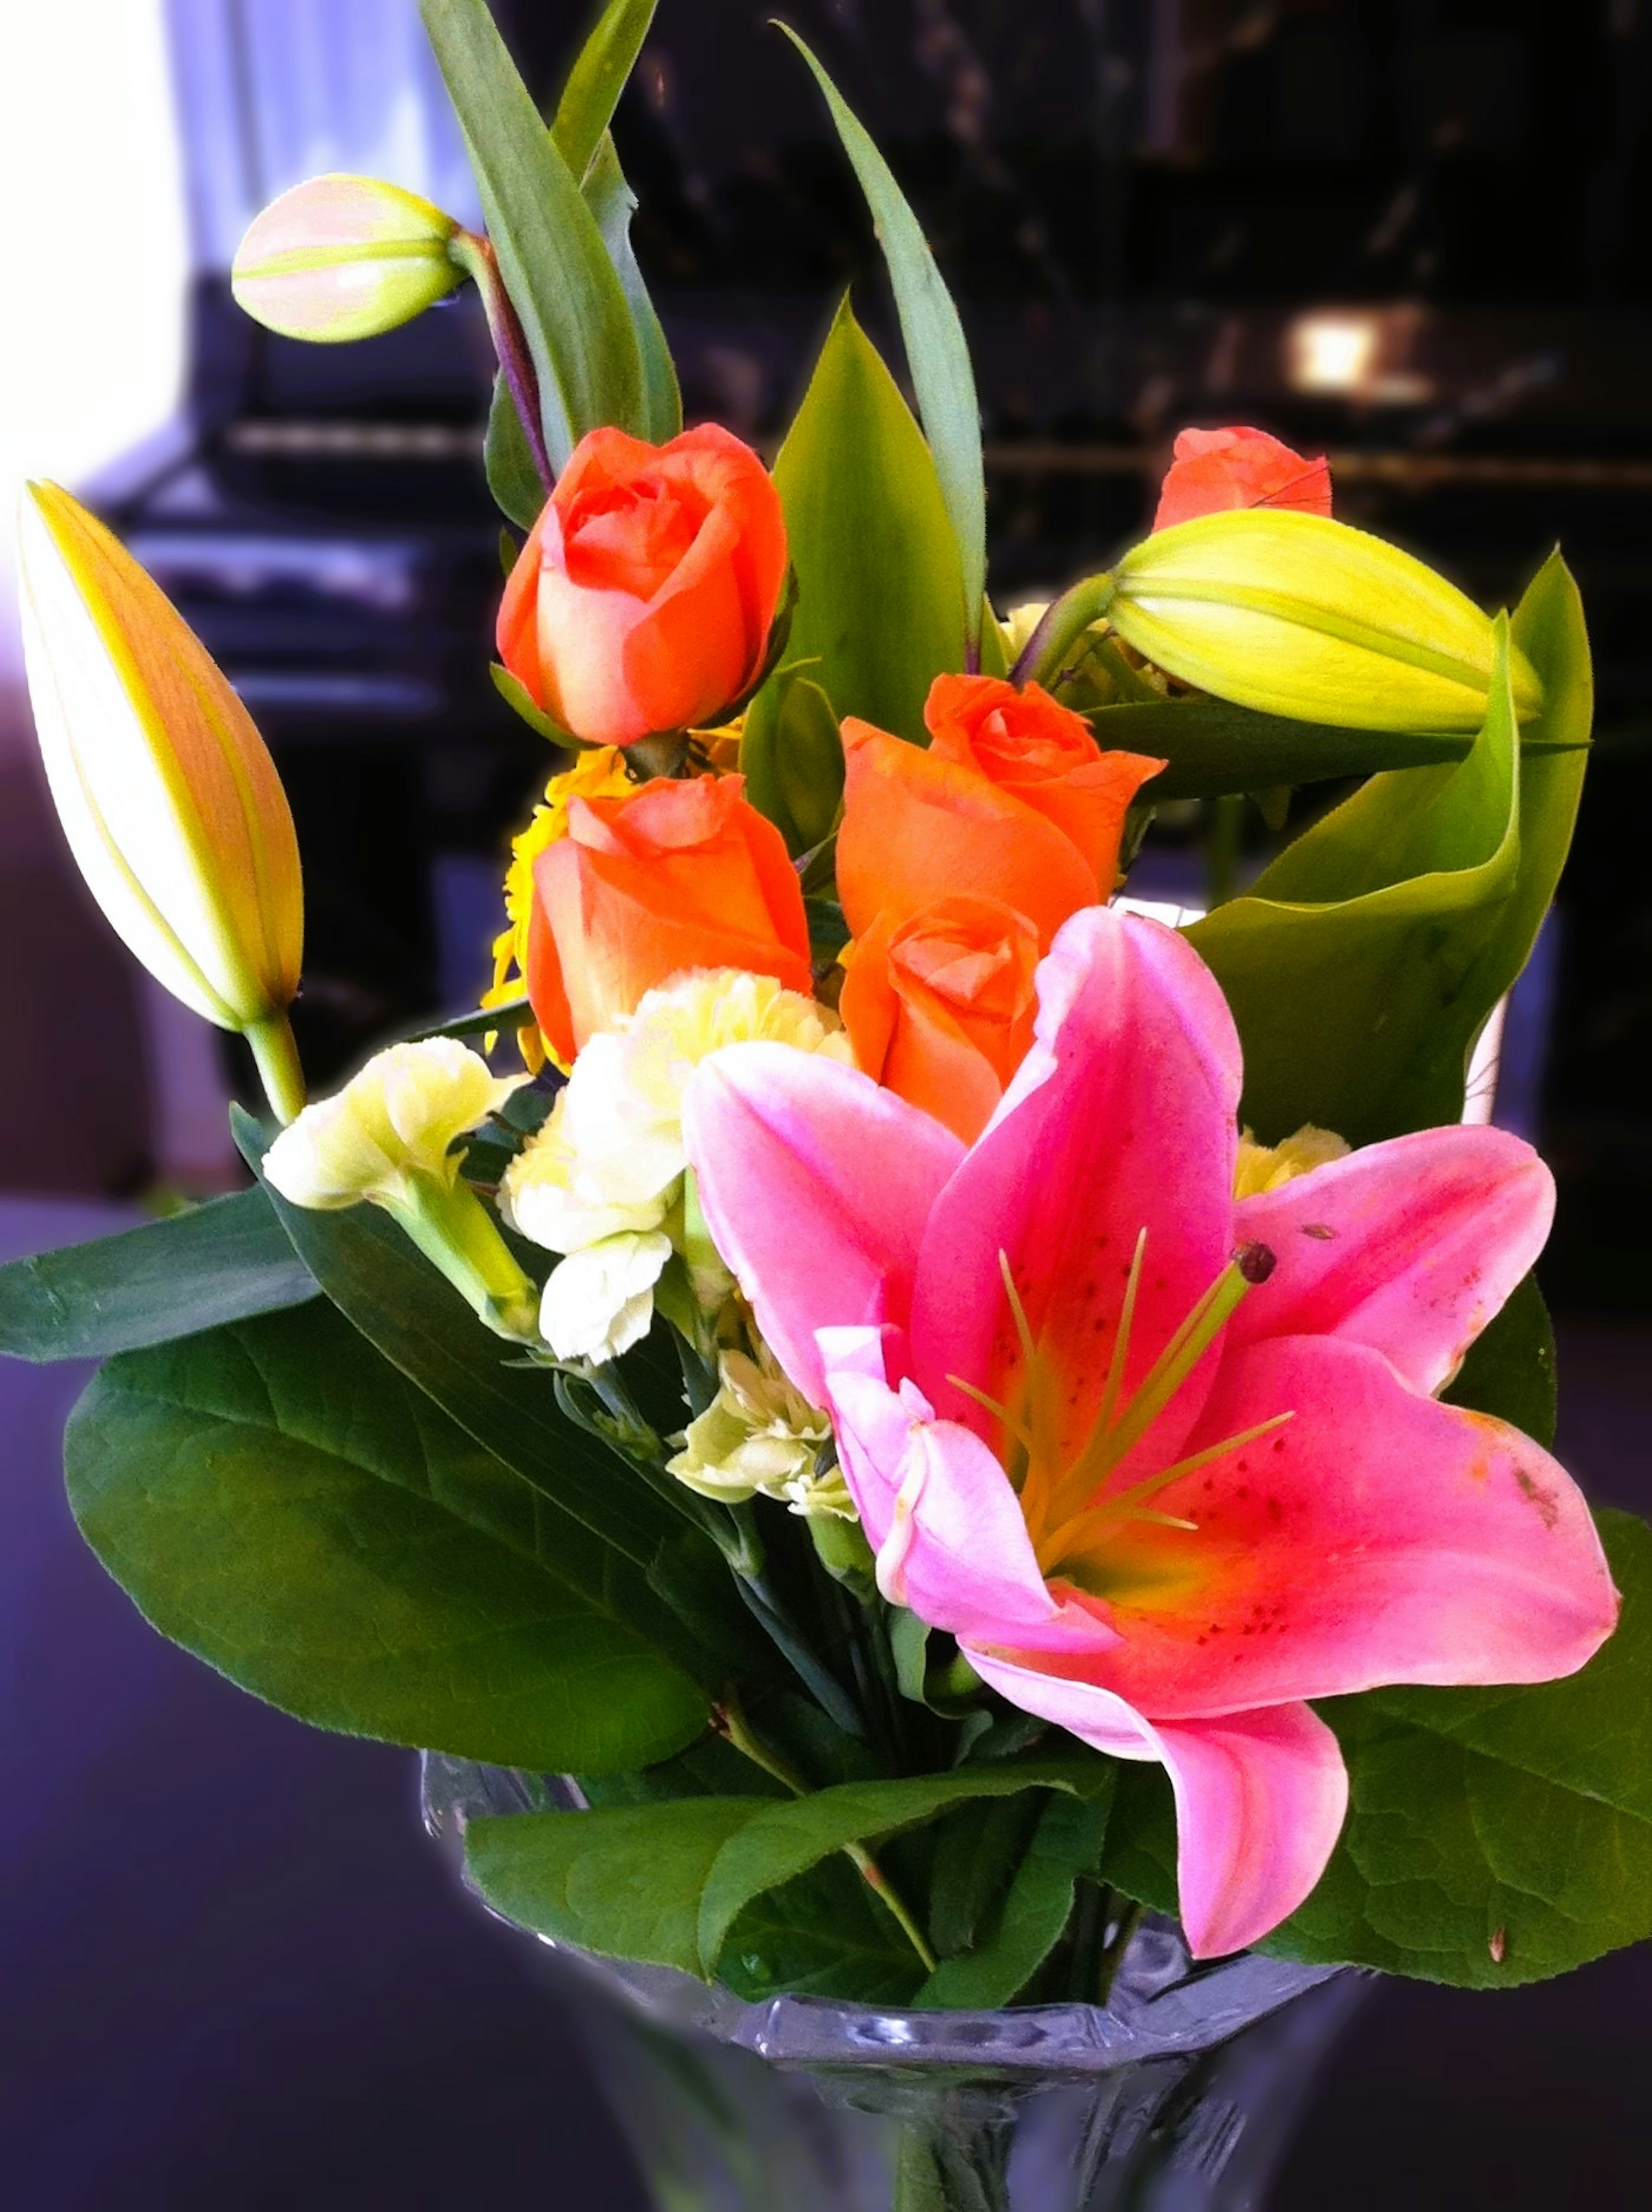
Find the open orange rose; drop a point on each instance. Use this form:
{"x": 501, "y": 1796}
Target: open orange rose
{"x": 644, "y": 599}
{"x": 677, "y": 875}
{"x": 1014, "y": 801}
{"x": 939, "y": 1008}
{"x": 1212, "y": 471}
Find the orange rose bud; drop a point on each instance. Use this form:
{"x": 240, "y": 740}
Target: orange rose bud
{"x": 1214, "y": 469}
{"x": 674, "y": 876}
{"x": 1014, "y": 801}
{"x": 939, "y": 1008}
{"x": 644, "y": 599}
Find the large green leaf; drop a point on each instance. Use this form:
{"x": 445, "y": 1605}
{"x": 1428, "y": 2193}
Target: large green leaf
{"x": 597, "y": 79}
{"x": 879, "y": 613}
{"x": 612, "y": 202}
{"x": 221, "y": 1261}
{"x": 286, "y": 1506}
{"x": 552, "y": 258}
{"x": 1214, "y": 749}
{"x": 938, "y": 352}
{"x": 1494, "y": 1836}
{"x": 612, "y": 1533}
{"x": 1358, "y": 967}
{"x": 1032, "y": 1911}
{"x": 784, "y": 1840}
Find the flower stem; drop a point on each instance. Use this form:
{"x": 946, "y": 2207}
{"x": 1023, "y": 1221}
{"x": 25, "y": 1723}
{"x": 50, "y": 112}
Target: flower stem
{"x": 476, "y": 256}
{"x": 1064, "y": 623}
{"x": 732, "y": 1723}
{"x": 279, "y": 1068}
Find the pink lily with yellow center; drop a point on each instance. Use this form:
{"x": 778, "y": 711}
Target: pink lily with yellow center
{"x": 1168, "y": 1464}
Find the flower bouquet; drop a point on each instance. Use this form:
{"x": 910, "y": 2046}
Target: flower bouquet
{"x": 919, "y": 1446}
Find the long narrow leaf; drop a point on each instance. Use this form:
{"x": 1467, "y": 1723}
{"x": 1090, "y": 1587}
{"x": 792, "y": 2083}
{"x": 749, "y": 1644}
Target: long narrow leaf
{"x": 938, "y": 352}
{"x": 551, "y": 254}
{"x": 597, "y": 79}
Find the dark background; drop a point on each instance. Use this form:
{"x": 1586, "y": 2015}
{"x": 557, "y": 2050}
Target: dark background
{"x": 234, "y": 1972}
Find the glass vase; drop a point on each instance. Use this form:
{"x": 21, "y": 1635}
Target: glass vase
{"x": 1177, "y": 2095}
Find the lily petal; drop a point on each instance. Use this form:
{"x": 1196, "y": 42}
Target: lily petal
{"x": 1261, "y": 1797}
{"x": 1378, "y": 1536}
{"x": 816, "y": 1185}
{"x": 1121, "y": 1118}
{"x": 1410, "y": 1247}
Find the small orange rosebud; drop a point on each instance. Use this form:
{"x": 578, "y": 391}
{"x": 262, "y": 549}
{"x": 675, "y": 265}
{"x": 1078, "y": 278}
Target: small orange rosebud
{"x": 675, "y": 876}
{"x": 939, "y": 1008}
{"x": 1214, "y": 469}
{"x": 643, "y": 599}
{"x": 1014, "y": 801}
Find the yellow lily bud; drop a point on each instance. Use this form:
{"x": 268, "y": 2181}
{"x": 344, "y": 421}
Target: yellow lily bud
{"x": 343, "y": 258}
{"x": 167, "y": 793}
{"x": 1297, "y": 614}
{"x": 388, "y": 1139}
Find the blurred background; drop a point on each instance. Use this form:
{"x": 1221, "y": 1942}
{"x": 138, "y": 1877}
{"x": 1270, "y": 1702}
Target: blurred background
{"x": 1410, "y": 233}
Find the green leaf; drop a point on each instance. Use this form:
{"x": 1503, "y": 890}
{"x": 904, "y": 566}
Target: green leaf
{"x": 1215, "y": 750}
{"x": 782, "y": 1841}
{"x": 222, "y": 1261}
{"x": 823, "y": 1935}
{"x": 1033, "y": 1909}
{"x": 555, "y": 264}
{"x": 611, "y": 1531}
{"x": 597, "y": 79}
{"x": 1358, "y": 967}
{"x": 624, "y": 1881}
{"x": 293, "y": 1511}
{"x": 517, "y": 696}
{"x": 878, "y": 607}
{"x": 792, "y": 757}
{"x": 513, "y": 478}
{"x": 938, "y": 354}
{"x": 1515, "y": 1821}
{"x": 1510, "y": 1368}
{"x": 612, "y": 202}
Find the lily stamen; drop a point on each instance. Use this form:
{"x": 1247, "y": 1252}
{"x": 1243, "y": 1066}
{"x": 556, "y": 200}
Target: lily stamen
{"x": 1074, "y": 1534}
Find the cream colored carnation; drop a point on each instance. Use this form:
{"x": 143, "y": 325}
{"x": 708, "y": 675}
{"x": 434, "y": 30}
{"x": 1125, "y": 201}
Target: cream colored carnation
{"x": 1266, "y": 1167}
{"x": 599, "y": 1302}
{"x": 545, "y": 1197}
{"x": 400, "y": 1116}
{"x": 760, "y": 1435}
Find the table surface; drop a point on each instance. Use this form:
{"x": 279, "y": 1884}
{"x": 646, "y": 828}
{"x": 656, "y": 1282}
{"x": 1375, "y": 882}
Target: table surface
{"x": 236, "y": 1974}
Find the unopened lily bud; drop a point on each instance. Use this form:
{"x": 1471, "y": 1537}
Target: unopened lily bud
{"x": 388, "y": 1139}
{"x": 1300, "y": 616}
{"x": 343, "y": 258}
{"x": 167, "y": 794}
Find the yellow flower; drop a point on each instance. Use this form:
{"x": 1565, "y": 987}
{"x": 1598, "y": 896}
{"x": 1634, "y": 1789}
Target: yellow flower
{"x": 599, "y": 773}
{"x": 1265, "y": 1167}
{"x": 167, "y": 793}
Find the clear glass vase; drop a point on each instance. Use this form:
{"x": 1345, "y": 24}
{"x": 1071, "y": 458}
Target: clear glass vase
{"x": 1178, "y": 2095}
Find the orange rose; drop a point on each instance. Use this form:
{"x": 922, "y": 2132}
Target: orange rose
{"x": 1014, "y": 801}
{"x": 644, "y": 599}
{"x": 1214, "y": 469}
{"x": 939, "y": 1008}
{"x": 676, "y": 875}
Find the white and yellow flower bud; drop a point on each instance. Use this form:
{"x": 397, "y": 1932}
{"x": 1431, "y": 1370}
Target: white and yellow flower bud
{"x": 167, "y": 793}
{"x": 1299, "y": 616}
{"x": 1268, "y": 1167}
{"x": 761, "y": 1436}
{"x": 343, "y": 257}
{"x": 388, "y": 1140}
{"x": 599, "y": 1301}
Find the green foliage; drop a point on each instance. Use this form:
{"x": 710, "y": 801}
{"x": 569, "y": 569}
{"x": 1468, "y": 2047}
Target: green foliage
{"x": 290, "y": 1509}
{"x": 512, "y": 477}
{"x": 1029, "y": 1913}
{"x": 938, "y": 354}
{"x": 1510, "y": 1370}
{"x": 879, "y": 612}
{"x": 612, "y": 202}
{"x": 1494, "y": 1836}
{"x": 596, "y": 80}
{"x": 793, "y": 758}
{"x": 222, "y": 1261}
{"x": 552, "y": 256}
{"x": 678, "y": 1883}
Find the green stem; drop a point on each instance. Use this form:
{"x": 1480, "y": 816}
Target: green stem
{"x": 279, "y": 1068}
{"x": 1227, "y": 822}
{"x": 1063, "y": 624}
{"x": 476, "y": 257}
{"x": 732, "y": 1724}
{"x": 1114, "y": 1957}
{"x": 455, "y": 1233}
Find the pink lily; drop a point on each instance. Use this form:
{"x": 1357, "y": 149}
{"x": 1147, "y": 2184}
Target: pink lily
{"x": 1168, "y": 1465}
